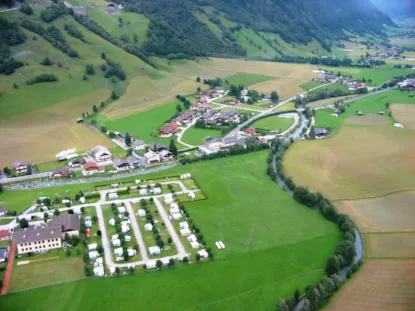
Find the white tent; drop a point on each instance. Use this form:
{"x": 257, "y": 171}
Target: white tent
{"x": 141, "y": 212}
{"x": 92, "y": 247}
{"x": 184, "y": 225}
{"x": 185, "y": 232}
{"x": 192, "y": 238}
{"x": 93, "y": 255}
{"x": 118, "y": 251}
{"x": 121, "y": 209}
{"x": 148, "y": 227}
{"x": 116, "y": 242}
{"x": 154, "y": 250}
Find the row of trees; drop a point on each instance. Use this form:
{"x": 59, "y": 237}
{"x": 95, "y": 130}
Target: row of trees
{"x": 315, "y": 96}
{"x": 316, "y": 295}
{"x": 74, "y": 32}
{"x": 44, "y": 77}
{"x": 51, "y": 34}
{"x": 52, "y": 12}
{"x": 10, "y": 34}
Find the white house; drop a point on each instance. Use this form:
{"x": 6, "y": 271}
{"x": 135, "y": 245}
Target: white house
{"x": 244, "y": 92}
{"x": 174, "y": 205}
{"x": 185, "y": 232}
{"x": 141, "y": 212}
{"x": 118, "y": 252}
{"x": 148, "y": 227}
{"x": 184, "y": 225}
{"x": 112, "y": 222}
{"x": 156, "y": 190}
{"x": 100, "y": 154}
{"x": 151, "y": 264}
{"x": 116, "y": 242}
{"x": 92, "y": 247}
{"x": 165, "y": 261}
{"x": 203, "y": 254}
{"x": 174, "y": 211}
{"x": 154, "y": 250}
{"x": 93, "y": 255}
{"x": 191, "y": 238}
{"x": 143, "y": 191}
{"x": 125, "y": 229}
{"x": 88, "y": 224}
{"x": 112, "y": 195}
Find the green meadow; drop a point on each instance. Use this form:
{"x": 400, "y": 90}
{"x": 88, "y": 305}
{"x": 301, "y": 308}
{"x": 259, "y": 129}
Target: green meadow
{"x": 195, "y": 136}
{"x": 247, "y": 79}
{"x": 273, "y": 123}
{"x": 290, "y": 245}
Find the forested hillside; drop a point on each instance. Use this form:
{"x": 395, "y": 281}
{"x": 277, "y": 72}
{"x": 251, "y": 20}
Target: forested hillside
{"x": 174, "y": 27}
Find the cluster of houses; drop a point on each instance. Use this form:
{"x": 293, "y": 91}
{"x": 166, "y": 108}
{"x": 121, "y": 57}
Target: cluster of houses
{"x": 173, "y": 126}
{"x": 325, "y": 77}
{"x": 207, "y": 96}
{"x": 157, "y": 152}
{"x": 213, "y": 144}
{"x": 353, "y": 84}
{"x": 408, "y": 83}
{"x": 383, "y": 51}
{"x": 45, "y": 238}
{"x": 214, "y": 117}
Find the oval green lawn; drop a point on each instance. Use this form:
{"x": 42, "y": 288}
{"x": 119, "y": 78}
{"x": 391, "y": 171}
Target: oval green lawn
{"x": 274, "y": 123}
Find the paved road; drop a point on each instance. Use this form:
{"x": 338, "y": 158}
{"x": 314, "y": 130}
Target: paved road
{"x": 180, "y": 135}
{"x": 137, "y": 232}
{"x": 269, "y": 111}
{"x": 170, "y": 228}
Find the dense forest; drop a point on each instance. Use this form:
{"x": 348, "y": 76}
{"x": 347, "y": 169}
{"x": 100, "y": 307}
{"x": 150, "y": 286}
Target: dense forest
{"x": 10, "y": 34}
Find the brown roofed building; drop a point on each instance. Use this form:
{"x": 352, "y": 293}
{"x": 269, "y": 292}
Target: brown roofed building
{"x": 70, "y": 224}
{"x": 37, "y": 240}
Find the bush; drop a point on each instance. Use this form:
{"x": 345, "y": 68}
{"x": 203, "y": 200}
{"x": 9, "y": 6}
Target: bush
{"x": 26, "y": 9}
{"x": 46, "y": 62}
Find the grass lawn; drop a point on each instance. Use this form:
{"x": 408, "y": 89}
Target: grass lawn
{"x": 5, "y": 221}
{"x": 274, "y": 123}
{"x": 247, "y": 79}
{"x": 332, "y": 87}
{"x": 195, "y": 136}
{"x": 309, "y": 85}
{"x": 49, "y": 166}
{"x": 46, "y": 272}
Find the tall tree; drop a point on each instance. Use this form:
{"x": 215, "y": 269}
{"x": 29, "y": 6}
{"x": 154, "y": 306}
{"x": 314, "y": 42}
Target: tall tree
{"x": 172, "y": 147}
{"x": 274, "y": 96}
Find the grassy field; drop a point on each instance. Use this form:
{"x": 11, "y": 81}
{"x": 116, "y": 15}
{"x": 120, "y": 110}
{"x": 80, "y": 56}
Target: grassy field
{"x": 290, "y": 76}
{"x": 46, "y": 272}
{"x": 351, "y": 164}
{"x": 404, "y": 113}
{"x": 253, "y": 207}
{"x": 391, "y": 245}
{"x": 247, "y": 79}
{"x": 380, "y": 285}
{"x": 195, "y": 136}
{"x": 309, "y": 85}
{"x": 255, "y": 46}
{"x": 274, "y": 123}
{"x": 386, "y": 213}
{"x": 327, "y": 101}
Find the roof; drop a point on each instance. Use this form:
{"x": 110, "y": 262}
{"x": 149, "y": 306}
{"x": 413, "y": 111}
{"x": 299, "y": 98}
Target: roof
{"x": 228, "y": 114}
{"x": 29, "y": 235}
{"x": 168, "y": 130}
{"x": 99, "y": 151}
{"x": 166, "y": 153}
{"x": 124, "y": 134}
{"x": 119, "y": 162}
{"x": 138, "y": 142}
{"x": 250, "y": 130}
{"x": 132, "y": 159}
{"x": 3, "y": 234}
{"x": 63, "y": 170}
{"x": 89, "y": 165}
{"x": 79, "y": 161}
{"x": 210, "y": 113}
{"x": 210, "y": 139}
{"x": 151, "y": 155}
{"x": 230, "y": 140}
{"x": 156, "y": 146}
{"x": 3, "y": 252}
{"x": 320, "y": 131}
{"x": 68, "y": 222}
{"x": 20, "y": 163}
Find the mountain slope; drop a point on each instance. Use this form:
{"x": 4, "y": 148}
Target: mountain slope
{"x": 396, "y": 8}
{"x": 176, "y": 26}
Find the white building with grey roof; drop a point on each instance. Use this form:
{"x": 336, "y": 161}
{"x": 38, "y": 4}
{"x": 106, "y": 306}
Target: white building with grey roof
{"x": 38, "y": 240}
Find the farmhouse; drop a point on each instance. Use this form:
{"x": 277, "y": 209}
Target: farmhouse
{"x": 229, "y": 141}
{"x": 133, "y": 161}
{"x": 249, "y": 131}
{"x": 186, "y": 117}
{"x": 152, "y": 157}
{"x": 21, "y": 167}
{"x": 36, "y": 240}
{"x": 157, "y": 147}
{"x": 166, "y": 155}
{"x": 138, "y": 145}
{"x": 167, "y": 131}
{"x": 100, "y": 154}
{"x": 61, "y": 172}
{"x": 121, "y": 164}
{"x": 231, "y": 116}
{"x": 90, "y": 168}
{"x": 211, "y": 114}
{"x": 70, "y": 224}
{"x": 200, "y": 107}
{"x": 124, "y": 135}
{"x": 77, "y": 162}
{"x": 320, "y": 132}
{"x": 211, "y": 144}
{"x": 325, "y": 77}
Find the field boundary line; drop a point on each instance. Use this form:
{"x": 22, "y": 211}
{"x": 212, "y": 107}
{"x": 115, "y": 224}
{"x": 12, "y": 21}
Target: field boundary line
{"x": 376, "y": 196}
{"x": 390, "y": 232}
{"x": 298, "y": 276}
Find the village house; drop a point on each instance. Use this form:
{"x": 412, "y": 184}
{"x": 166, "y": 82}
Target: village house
{"x": 70, "y": 224}
{"x": 229, "y": 141}
{"x": 138, "y": 144}
{"x": 152, "y": 157}
{"x": 38, "y": 239}
{"x": 21, "y": 167}
{"x": 231, "y": 116}
{"x": 167, "y": 131}
{"x": 210, "y": 115}
{"x": 211, "y": 144}
{"x": 166, "y": 155}
{"x": 233, "y": 101}
{"x": 77, "y": 162}
{"x": 157, "y": 147}
{"x": 121, "y": 164}
{"x": 133, "y": 161}
{"x": 320, "y": 132}
{"x": 123, "y": 136}
{"x": 60, "y": 172}
{"x": 244, "y": 92}
{"x": 100, "y": 154}
{"x": 325, "y": 77}
{"x": 249, "y": 131}
{"x": 90, "y": 168}
{"x": 220, "y": 90}
{"x": 200, "y": 107}
{"x": 185, "y": 117}
{"x": 408, "y": 83}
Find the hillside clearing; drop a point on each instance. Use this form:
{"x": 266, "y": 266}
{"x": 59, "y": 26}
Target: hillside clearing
{"x": 247, "y": 79}
{"x": 404, "y": 113}
{"x": 380, "y": 285}
{"x": 351, "y": 164}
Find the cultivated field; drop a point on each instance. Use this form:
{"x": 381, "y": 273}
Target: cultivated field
{"x": 368, "y": 119}
{"x": 404, "y": 113}
{"x": 351, "y": 164}
{"x": 380, "y": 285}
{"x": 391, "y": 245}
{"x": 386, "y": 213}
{"x": 290, "y": 76}
{"x": 242, "y": 204}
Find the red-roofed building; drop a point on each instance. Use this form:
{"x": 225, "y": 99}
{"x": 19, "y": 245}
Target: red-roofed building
{"x": 4, "y": 235}
{"x": 250, "y": 131}
{"x": 90, "y": 168}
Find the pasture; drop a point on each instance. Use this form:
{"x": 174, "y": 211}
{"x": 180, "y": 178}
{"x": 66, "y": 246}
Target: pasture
{"x": 290, "y": 76}
{"x": 368, "y": 119}
{"x": 351, "y": 164}
{"x": 404, "y": 113}
{"x": 247, "y": 79}
{"x": 379, "y": 285}
{"x": 391, "y": 245}
{"x": 274, "y": 123}
{"x": 327, "y": 101}
{"x": 382, "y": 214}
{"x": 195, "y": 136}
{"x": 256, "y": 208}
{"x": 46, "y": 272}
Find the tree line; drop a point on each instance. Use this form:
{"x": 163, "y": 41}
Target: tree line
{"x": 44, "y": 77}
{"x": 10, "y": 35}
